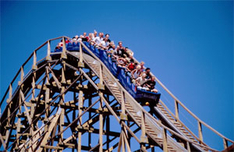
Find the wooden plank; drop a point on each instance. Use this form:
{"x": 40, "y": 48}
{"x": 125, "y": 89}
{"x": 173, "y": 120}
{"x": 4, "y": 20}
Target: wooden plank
{"x": 100, "y": 124}
{"x": 200, "y": 131}
{"x": 51, "y": 126}
{"x": 3, "y": 143}
{"x": 55, "y": 78}
{"x": 80, "y": 120}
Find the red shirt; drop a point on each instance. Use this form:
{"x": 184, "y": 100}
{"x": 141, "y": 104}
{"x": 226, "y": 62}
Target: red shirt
{"x": 131, "y": 66}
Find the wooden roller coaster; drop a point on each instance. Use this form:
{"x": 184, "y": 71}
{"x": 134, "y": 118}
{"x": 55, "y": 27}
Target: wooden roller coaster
{"x": 70, "y": 101}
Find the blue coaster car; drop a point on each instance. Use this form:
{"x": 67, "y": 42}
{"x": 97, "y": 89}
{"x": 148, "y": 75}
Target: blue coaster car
{"x": 60, "y": 49}
{"x": 69, "y": 46}
{"x": 104, "y": 58}
{"x": 88, "y": 46}
{"x": 144, "y": 96}
{"x": 122, "y": 77}
{"x": 76, "y": 46}
{"x": 96, "y": 51}
{"x": 113, "y": 67}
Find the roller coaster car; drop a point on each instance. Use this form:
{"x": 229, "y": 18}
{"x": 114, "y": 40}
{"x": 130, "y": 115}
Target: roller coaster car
{"x": 145, "y": 98}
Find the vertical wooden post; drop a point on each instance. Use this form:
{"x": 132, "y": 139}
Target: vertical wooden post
{"x": 188, "y": 147}
{"x": 200, "y": 131}
{"x": 10, "y": 93}
{"x": 64, "y": 55}
{"x": 8, "y": 114}
{"x": 9, "y": 102}
{"x": 165, "y": 140}
{"x": 63, "y": 81}
{"x": 176, "y": 109}
{"x": 48, "y": 57}
{"x": 120, "y": 142}
{"x": 18, "y": 124}
{"x": 225, "y": 143}
{"x": 90, "y": 102}
{"x": 81, "y": 63}
{"x": 80, "y": 120}
{"x": 144, "y": 139}
{"x": 61, "y": 120}
{"x": 21, "y": 75}
{"x": 34, "y": 67}
{"x": 47, "y": 98}
{"x": 18, "y": 132}
{"x": 108, "y": 128}
{"x": 100, "y": 124}
{"x": 62, "y": 99}
{"x": 123, "y": 144}
{"x": 33, "y": 86}
{"x": 126, "y": 142}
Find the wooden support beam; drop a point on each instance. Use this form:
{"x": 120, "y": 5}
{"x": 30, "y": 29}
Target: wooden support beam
{"x": 52, "y": 147}
{"x": 18, "y": 131}
{"x": 120, "y": 142}
{"x": 144, "y": 139}
{"x": 34, "y": 67}
{"x": 51, "y": 126}
{"x": 55, "y": 78}
{"x": 33, "y": 86}
{"x": 165, "y": 140}
{"x": 63, "y": 54}
{"x": 100, "y": 123}
{"x": 176, "y": 109}
{"x": 63, "y": 81}
{"x": 225, "y": 143}
{"x": 2, "y": 141}
{"x": 48, "y": 57}
{"x": 126, "y": 142}
{"x": 81, "y": 63}
{"x": 47, "y": 106}
{"x": 10, "y": 94}
{"x": 104, "y": 111}
{"x": 123, "y": 115}
{"x": 123, "y": 144}
{"x": 100, "y": 85}
{"x": 80, "y": 119}
{"x": 21, "y": 75}
{"x": 26, "y": 109}
{"x": 200, "y": 131}
{"x": 188, "y": 146}
{"x": 61, "y": 120}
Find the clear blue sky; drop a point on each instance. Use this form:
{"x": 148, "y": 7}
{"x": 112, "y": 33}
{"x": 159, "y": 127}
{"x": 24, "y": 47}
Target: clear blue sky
{"x": 187, "y": 44}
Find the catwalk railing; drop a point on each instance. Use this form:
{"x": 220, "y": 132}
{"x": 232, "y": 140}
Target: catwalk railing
{"x": 20, "y": 75}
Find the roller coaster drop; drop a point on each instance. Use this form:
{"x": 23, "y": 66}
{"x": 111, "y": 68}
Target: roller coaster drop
{"x": 75, "y": 100}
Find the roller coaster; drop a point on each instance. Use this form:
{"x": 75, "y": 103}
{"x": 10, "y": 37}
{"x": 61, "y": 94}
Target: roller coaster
{"x": 77, "y": 99}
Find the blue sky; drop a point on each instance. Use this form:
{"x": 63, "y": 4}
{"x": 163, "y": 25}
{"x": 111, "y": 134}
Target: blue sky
{"x": 187, "y": 44}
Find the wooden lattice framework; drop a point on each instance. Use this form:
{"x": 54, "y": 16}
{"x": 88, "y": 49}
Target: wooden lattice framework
{"x": 71, "y": 101}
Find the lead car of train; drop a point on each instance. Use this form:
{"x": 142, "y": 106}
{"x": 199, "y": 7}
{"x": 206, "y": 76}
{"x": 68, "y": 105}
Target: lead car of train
{"x": 142, "y": 96}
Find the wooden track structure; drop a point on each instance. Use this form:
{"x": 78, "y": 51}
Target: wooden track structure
{"x": 70, "y": 101}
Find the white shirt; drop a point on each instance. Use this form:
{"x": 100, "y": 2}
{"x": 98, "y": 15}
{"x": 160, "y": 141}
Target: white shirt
{"x": 140, "y": 80}
{"x": 98, "y": 40}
